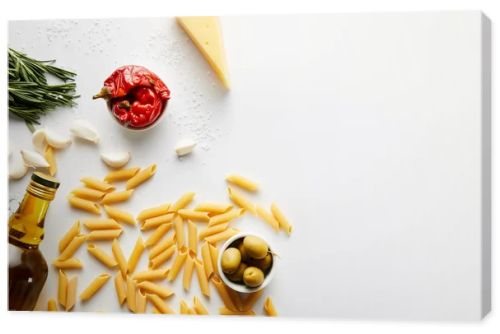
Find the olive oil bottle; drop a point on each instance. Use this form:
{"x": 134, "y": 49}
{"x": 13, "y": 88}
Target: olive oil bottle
{"x": 27, "y": 266}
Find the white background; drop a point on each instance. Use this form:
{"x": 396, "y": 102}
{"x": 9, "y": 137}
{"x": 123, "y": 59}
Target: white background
{"x": 85, "y": 10}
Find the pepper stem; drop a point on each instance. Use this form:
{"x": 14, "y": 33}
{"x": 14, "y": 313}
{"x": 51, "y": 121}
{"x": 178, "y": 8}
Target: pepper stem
{"x": 104, "y": 93}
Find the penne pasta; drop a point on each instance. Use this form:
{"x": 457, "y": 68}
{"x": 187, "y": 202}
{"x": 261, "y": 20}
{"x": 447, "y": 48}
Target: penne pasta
{"x": 223, "y": 293}
{"x": 207, "y": 260}
{"x": 72, "y": 247}
{"x": 94, "y": 183}
{"x": 154, "y": 222}
{"x": 159, "y": 304}
{"x": 202, "y": 278}
{"x": 162, "y": 257}
{"x": 62, "y": 288}
{"x": 151, "y": 275}
{"x": 70, "y": 263}
{"x": 183, "y": 307}
{"x": 182, "y": 202}
{"x": 213, "y": 208}
{"x": 85, "y": 205}
{"x": 178, "y": 263}
{"x": 156, "y": 289}
{"x": 101, "y": 224}
{"x": 269, "y": 308}
{"x": 194, "y": 215}
{"x": 131, "y": 294}
{"x": 135, "y": 256}
{"x": 179, "y": 232}
{"x": 121, "y": 175}
{"x": 225, "y": 217}
{"x": 121, "y": 292}
{"x": 240, "y": 200}
{"x": 250, "y": 300}
{"x": 280, "y": 217}
{"x": 212, "y": 230}
{"x": 191, "y": 311}
{"x": 71, "y": 293}
{"x": 242, "y": 182}
{"x": 235, "y": 297}
{"x": 226, "y": 311}
{"x": 141, "y": 177}
{"x": 119, "y": 215}
{"x": 214, "y": 254}
{"x": 119, "y": 257}
{"x": 213, "y": 239}
{"x": 100, "y": 255}
{"x": 104, "y": 235}
{"x": 51, "y": 305}
{"x": 188, "y": 272}
{"x": 94, "y": 286}
{"x": 88, "y": 193}
{"x": 267, "y": 217}
{"x": 161, "y": 246}
{"x": 51, "y": 159}
{"x": 198, "y": 307}
{"x": 156, "y": 211}
{"x": 192, "y": 237}
{"x": 157, "y": 235}
{"x": 140, "y": 302}
{"x": 117, "y": 197}
{"x": 73, "y": 231}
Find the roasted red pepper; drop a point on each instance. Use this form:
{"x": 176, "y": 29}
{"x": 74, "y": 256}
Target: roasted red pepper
{"x": 136, "y": 96}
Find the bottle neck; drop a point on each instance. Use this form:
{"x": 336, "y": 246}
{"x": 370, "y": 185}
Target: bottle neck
{"x": 26, "y": 225}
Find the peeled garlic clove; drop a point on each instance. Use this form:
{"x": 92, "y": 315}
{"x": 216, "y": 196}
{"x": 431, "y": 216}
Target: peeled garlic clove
{"x": 184, "y": 147}
{"x": 56, "y": 140}
{"x": 116, "y": 159}
{"x": 84, "y": 130}
{"x": 39, "y": 141}
{"x": 17, "y": 170}
{"x": 34, "y": 159}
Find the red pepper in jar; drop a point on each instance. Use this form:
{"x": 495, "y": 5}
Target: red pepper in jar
{"x": 136, "y": 96}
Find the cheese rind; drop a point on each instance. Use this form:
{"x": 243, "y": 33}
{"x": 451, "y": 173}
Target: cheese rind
{"x": 206, "y": 34}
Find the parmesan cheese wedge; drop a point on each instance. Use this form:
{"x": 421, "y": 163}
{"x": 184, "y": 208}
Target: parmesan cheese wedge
{"x": 206, "y": 34}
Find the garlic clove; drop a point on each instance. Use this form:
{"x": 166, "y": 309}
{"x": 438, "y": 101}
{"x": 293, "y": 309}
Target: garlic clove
{"x": 17, "y": 169}
{"x": 116, "y": 159}
{"x": 38, "y": 139}
{"x": 185, "y": 147}
{"x": 34, "y": 159}
{"x": 56, "y": 140}
{"x": 84, "y": 130}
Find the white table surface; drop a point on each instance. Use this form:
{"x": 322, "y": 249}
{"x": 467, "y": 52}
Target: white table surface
{"x": 365, "y": 129}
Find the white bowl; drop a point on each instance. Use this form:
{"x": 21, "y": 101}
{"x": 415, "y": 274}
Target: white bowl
{"x": 241, "y": 287}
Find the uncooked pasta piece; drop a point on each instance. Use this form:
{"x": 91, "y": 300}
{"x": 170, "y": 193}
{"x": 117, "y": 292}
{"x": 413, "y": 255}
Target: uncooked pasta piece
{"x": 104, "y": 235}
{"x": 95, "y": 183}
{"x": 192, "y": 237}
{"x": 121, "y": 175}
{"x": 194, "y": 215}
{"x": 153, "y": 212}
{"x": 188, "y": 272}
{"x": 119, "y": 257}
{"x": 178, "y": 264}
{"x": 280, "y": 217}
{"x": 159, "y": 304}
{"x": 135, "y": 256}
{"x": 157, "y": 235}
{"x": 215, "y": 238}
{"x": 94, "y": 286}
{"x": 141, "y": 177}
{"x": 101, "y": 224}
{"x": 198, "y": 307}
{"x": 117, "y": 197}
{"x": 182, "y": 202}
{"x": 85, "y": 205}
{"x": 70, "y": 263}
{"x": 269, "y": 308}
{"x": 267, "y": 217}
{"x": 151, "y": 275}
{"x": 241, "y": 200}
{"x": 121, "y": 292}
{"x": 202, "y": 278}
{"x": 88, "y": 193}
{"x": 226, "y": 311}
{"x": 157, "y": 289}
{"x": 73, "y": 231}
{"x": 119, "y": 215}
{"x": 213, "y": 208}
{"x": 242, "y": 182}
{"x": 225, "y": 217}
{"x": 100, "y": 255}
{"x": 72, "y": 247}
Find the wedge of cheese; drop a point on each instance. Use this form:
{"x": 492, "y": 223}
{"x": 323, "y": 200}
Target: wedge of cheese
{"x": 206, "y": 34}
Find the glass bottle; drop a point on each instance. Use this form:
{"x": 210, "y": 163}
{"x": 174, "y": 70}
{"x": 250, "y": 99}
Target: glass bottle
{"x": 27, "y": 266}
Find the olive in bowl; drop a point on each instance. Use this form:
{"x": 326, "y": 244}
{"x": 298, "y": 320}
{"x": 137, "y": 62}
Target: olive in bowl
{"x": 246, "y": 263}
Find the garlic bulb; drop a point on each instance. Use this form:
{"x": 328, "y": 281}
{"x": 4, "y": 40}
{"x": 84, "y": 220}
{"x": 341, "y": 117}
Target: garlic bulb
{"x": 34, "y": 159}
{"x": 84, "y": 130}
{"x": 115, "y": 159}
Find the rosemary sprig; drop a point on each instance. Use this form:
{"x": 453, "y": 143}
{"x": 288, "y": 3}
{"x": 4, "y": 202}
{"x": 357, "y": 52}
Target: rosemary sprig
{"x": 30, "y": 96}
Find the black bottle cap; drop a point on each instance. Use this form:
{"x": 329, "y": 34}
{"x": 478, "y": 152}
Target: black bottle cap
{"x": 45, "y": 180}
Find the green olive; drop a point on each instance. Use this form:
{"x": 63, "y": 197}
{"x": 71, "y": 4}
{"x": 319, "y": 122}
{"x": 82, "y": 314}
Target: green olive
{"x": 253, "y": 277}
{"x": 255, "y": 247}
{"x": 263, "y": 264}
{"x": 243, "y": 252}
{"x": 237, "y": 276}
{"x": 231, "y": 259}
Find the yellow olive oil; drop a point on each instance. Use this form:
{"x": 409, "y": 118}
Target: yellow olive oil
{"x": 27, "y": 266}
